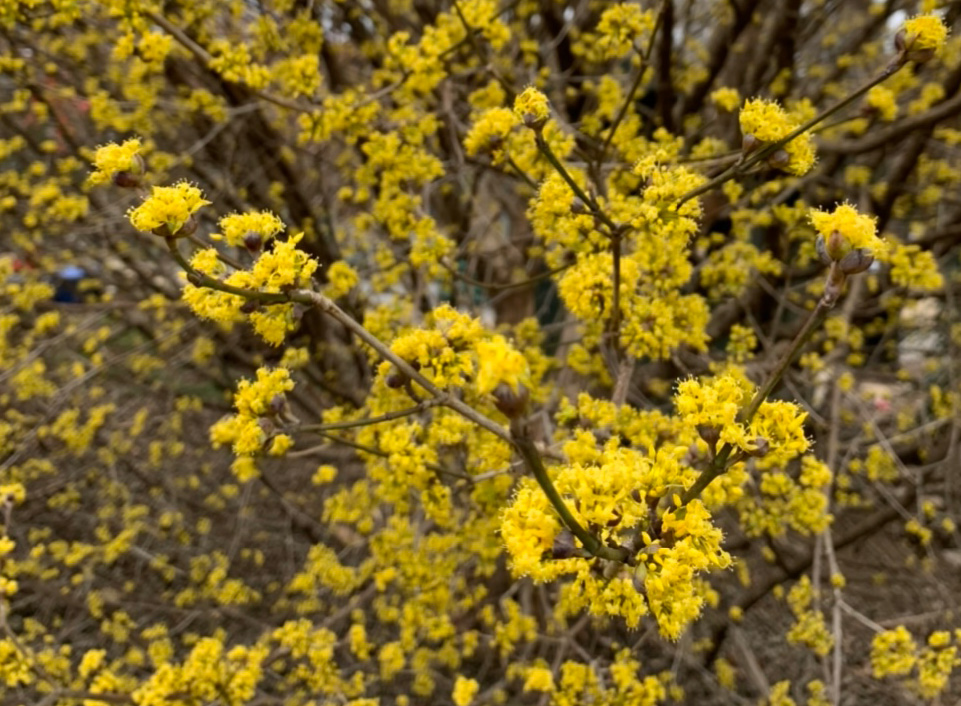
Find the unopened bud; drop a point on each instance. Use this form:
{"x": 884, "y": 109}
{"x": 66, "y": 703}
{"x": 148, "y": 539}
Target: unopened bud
{"x": 564, "y": 547}
{"x": 763, "y": 446}
{"x": 277, "y": 404}
{"x": 904, "y": 43}
{"x": 266, "y": 426}
{"x": 710, "y": 434}
{"x": 780, "y": 159}
{"x": 510, "y": 402}
{"x": 396, "y": 380}
{"x": 856, "y": 261}
{"x": 822, "y": 250}
{"x": 640, "y": 573}
{"x": 253, "y": 240}
{"x": 186, "y": 230}
{"x": 836, "y": 245}
{"x": 749, "y": 143}
{"x": 126, "y": 180}
{"x": 578, "y": 206}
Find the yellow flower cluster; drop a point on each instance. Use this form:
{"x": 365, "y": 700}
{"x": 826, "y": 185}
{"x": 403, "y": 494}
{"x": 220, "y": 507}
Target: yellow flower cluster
{"x": 726, "y": 99}
{"x": 883, "y": 100}
{"x": 622, "y": 27}
{"x": 239, "y": 229}
{"x": 732, "y": 268}
{"x": 167, "y": 207}
{"x": 925, "y": 32}
{"x": 280, "y": 269}
{"x": 768, "y": 122}
{"x": 781, "y": 502}
{"x": 457, "y": 351}
{"x": 110, "y": 159}
{"x": 341, "y": 278}
{"x": 464, "y": 691}
{"x": 893, "y": 653}
{"x": 857, "y": 231}
{"x": 207, "y": 674}
{"x": 914, "y": 268}
{"x": 809, "y": 628}
{"x": 259, "y": 404}
{"x": 617, "y": 496}
{"x": 489, "y": 132}
{"x": 499, "y": 362}
{"x": 531, "y": 107}
{"x": 775, "y": 433}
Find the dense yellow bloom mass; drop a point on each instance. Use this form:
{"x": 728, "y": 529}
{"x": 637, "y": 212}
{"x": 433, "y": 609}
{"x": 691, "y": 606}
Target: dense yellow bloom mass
{"x": 768, "y": 122}
{"x": 615, "y": 494}
{"x": 726, "y": 98}
{"x": 281, "y": 268}
{"x": 489, "y": 132}
{"x": 258, "y": 227}
{"x": 622, "y": 27}
{"x": 113, "y": 158}
{"x": 260, "y": 405}
{"x": 531, "y": 107}
{"x": 925, "y": 32}
{"x": 576, "y": 265}
{"x": 169, "y": 207}
{"x": 499, "y": 362}
{"x": 893, "y": 652}
{"x": 858, "y": 231}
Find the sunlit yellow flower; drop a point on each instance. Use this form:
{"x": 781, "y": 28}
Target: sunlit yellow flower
{"x": 170, "y": 206}
{"x": 925, "y": 32}
{"x": 857, "y": 230}
{"x": 112, "y": 158}
{"x": 531, "y": 107}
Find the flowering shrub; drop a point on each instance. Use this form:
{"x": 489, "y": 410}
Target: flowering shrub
{"x": 471, "y": 353}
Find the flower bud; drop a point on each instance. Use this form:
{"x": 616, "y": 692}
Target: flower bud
{"x": 822, "y": 250}
{"x": 836, "y": 246}
{"x": 763, "y": 447}
{"x": 856, "y": 261}
{"x": 710, "y": 434}
{"x": 749, "y": 143}
{"x": 277, "y": 404}
{"x": 780, "y": 159}
{"x": 127, "y": 180}
{"x": 640, "y": 573}
{"x": 512, "y": 404}
{"x": 564, "y": 547}
{"x": 253, "y": 241}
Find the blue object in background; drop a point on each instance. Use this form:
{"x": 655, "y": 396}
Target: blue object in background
{"x": 67, "y": 281}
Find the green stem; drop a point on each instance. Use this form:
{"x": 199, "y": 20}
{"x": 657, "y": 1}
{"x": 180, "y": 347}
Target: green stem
{"x": 532, "y": 458}
{"x": 578, "y": 191}
{"x": 386, "y": 417}
{"x": 832, "y": 290}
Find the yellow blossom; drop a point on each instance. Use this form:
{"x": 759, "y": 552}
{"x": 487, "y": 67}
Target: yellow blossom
{"x": 858, "y": 231}
{"x": 768, "y": 122}
{"x": 113, "y": 158}
{"x": 925, "y": 32}
{"x": 531, "y": 107}
{"x": 726, "y": 98}
{"x": 464, "y": 691}
{"x": 239, "y": 228}
{"x": 167, "y": 206}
